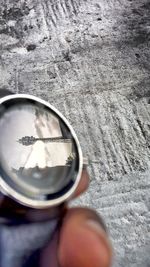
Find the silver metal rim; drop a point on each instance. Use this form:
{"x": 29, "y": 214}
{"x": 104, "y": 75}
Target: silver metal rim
{"x": 7, "y": 190}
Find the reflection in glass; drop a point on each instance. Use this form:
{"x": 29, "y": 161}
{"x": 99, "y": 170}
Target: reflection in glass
{"x": 37, "y": 150}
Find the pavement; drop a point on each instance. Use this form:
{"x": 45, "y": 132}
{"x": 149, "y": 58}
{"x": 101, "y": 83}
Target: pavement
{"x": 91, "y": 60}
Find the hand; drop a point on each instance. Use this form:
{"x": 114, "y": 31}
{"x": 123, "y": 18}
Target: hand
{"x": 83, "y": 241}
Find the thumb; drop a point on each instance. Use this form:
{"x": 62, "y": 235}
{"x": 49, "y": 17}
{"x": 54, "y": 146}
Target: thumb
{"x": 83, "y": 240}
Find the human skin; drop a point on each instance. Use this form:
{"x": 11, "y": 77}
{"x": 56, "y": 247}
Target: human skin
{"x": 83, "y": 239}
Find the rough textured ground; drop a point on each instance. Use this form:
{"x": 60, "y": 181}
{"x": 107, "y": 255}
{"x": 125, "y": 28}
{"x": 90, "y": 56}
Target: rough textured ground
{"x": 91, "y": 59}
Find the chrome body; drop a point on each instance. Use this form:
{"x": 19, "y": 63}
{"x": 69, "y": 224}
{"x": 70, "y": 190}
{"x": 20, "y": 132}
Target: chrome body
{"x": 42, "y": 204}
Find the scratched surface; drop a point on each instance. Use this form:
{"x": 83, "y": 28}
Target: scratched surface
{"x": 91, "y": 59}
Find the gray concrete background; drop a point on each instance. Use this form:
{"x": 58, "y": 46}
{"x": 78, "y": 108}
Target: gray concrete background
{"x": 91, "y": 59}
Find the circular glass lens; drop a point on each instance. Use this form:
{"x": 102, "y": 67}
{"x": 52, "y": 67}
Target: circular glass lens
{"x": 38, "y": 154}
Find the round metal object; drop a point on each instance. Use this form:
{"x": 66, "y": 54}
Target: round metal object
{"x": 40, "y": 155}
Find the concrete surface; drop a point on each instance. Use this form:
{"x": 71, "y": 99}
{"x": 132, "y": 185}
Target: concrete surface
{"x": 91, "y": 59}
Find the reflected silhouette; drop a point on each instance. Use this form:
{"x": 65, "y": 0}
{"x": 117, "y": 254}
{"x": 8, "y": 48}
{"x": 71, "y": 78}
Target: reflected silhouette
{"x": 41, "y": 154}
{"x": 30, "y": 140}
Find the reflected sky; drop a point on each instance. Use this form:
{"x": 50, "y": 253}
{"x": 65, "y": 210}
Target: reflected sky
{"x": 29, "y": 120}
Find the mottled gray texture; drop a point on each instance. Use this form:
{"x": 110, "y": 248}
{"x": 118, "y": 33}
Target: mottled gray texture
{"x": 91, "y": 59}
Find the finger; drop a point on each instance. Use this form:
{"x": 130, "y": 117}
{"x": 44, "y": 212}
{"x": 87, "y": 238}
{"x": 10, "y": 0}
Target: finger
{"x": 83, "y": 240}
{"x": 83, "y": 184}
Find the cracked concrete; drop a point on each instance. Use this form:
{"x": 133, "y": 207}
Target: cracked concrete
{"x": 91, "y": 60}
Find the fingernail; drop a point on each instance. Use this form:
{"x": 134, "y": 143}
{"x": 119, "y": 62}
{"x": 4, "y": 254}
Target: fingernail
{"x": 98, "y": 220}
{"x": 96, "y": 226}
{"x": 100, "y": 228}
{"x": 100, "y": 232}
